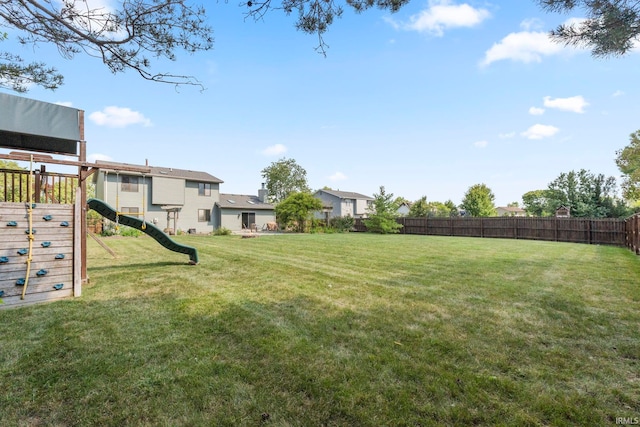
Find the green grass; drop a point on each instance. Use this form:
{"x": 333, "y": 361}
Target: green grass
{"x": 333, "y": 330}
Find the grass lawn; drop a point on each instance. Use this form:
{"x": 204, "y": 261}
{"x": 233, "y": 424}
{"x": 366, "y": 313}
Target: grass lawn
{"x": 332, "y": 330}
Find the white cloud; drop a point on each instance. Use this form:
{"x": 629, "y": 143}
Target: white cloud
{"x": 540, "y": 131}
{"x": 536, "y": 111}
{"x": 64, "y": 103}
{"x": 574, "y": 104}
{"x": 617, "y": 93}
{"x": 524, "y": 47}
{"x": 531, "y": 24}
{"x": 118, "y": 117}
{"x": 338, "y": 176}
{"x": 507, "y": 135}
{"x": 274, "y": 150}
{"x": 481, "y": 144}
{"x": 98, "y": 156}
{"x": 442, "y": 15}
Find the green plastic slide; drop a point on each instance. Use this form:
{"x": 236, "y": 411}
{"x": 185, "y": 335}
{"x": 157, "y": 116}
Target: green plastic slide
{"x": 151, "y": 230}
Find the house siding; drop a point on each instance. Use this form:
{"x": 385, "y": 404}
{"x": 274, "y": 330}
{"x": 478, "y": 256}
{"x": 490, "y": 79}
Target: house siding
{"x": 232, "y": 218}
{"x": 342, "y": 206}
{"x": 109, "y": 190}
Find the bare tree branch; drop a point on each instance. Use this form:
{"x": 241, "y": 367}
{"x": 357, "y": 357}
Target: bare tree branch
{"x": 127, "y": 38}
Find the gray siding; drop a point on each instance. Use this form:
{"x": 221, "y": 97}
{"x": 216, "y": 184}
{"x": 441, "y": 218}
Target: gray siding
{"x": 110, "y": 190}
{"x": 167, "y": 191}
{"x": 232, "y": 218}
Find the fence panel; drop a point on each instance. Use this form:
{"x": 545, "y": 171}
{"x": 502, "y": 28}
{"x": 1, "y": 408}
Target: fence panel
{"x": 607, "y": 231}
{"x": 632, "y": 233}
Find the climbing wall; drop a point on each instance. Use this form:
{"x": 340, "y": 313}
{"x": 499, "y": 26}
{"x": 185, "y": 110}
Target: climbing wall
{"x": 51, "y": 275}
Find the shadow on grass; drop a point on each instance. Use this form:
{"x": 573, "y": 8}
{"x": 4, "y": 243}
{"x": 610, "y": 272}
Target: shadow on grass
{"x": 143, "y": 265}
{"x": 176, "y": 360}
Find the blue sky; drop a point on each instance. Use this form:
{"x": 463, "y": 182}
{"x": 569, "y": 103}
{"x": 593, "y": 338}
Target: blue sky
{"x": 429, "y": 101}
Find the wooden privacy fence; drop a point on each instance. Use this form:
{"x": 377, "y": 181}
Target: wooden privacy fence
{"x": 608, "y": 231}
{"x": 46, "y": 187}
{"x": 633, "y": 233}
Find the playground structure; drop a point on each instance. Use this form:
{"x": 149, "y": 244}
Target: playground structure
{"x": 43, "y": 226}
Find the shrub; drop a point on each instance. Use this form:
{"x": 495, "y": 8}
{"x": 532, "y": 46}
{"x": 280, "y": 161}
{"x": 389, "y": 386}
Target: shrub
{"x": 222, "y": 231}
{"x": 342, "y": 223}
{"x": 130, "y": 232}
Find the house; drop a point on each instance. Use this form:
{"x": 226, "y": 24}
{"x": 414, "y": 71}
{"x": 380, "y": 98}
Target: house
{"x": 563, "y": 212}
{"x": 238, "y": 212}
{"x": 403, "y": 209}
{"x": 343, "y": 203}
{"x": 172, "y": 199}
{"x": 510, "y": 211}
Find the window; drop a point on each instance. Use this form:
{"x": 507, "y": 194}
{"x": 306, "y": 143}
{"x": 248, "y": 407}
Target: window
{"x": 204, "y": 215}
{"x": 129, "y": 183}
{"x": 204, "y": 189}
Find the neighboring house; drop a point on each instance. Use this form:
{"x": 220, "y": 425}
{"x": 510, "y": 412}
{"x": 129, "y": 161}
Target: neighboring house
{"x": 238, "y": 212}
{"x": 563, "y": 212}
{"x": 510, "y": 211}
{"x": 403, "y": 209}
{"x": 343, "y": 203}
{"x": 173, "y": 199}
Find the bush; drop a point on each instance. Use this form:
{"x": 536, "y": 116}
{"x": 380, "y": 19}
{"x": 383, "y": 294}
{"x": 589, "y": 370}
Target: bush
{"x": 342, "y": 224}
{"x": 129, "y": 232}
{"x": 222, "y": 231}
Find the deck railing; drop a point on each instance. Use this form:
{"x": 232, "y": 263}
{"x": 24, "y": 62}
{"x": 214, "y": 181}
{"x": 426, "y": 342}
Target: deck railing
{"x": 46, "y": 187}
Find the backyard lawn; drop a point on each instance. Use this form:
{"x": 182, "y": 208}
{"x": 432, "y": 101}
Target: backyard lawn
{"x": 332, "y": 330}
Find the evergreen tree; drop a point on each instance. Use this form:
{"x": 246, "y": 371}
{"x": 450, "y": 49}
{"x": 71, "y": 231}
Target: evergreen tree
{"x": 383, "y": 213}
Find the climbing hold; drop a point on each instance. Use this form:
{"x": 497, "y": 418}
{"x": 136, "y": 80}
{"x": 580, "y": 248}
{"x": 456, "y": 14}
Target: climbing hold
{"x": 47, "y": 217}
{"x": 60, "y": 256}
{"x": 58, "y": 286}
{"x": 33, "y": 205}
{"x": 1, "y": 294}
{"x": 41, "y": 272}
{"x": 23, "y": 251}
{"x": 64, "y": 224}
{"x": 20, "y": 282}
{"x": 32, "y": 231}
{"x": 4, "y": 259}
{"x": 45, "y": 244}
{"x": 12, "y": 224}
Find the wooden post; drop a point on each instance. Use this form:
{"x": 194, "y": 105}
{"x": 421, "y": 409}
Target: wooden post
{"x": 78, "y": 261}
{"x": 82, "y": 176}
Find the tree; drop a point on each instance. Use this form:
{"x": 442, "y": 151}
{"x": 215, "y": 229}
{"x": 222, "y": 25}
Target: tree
{"x": 382, "y": 217}
{"x": 453, "y": 209}
{"x": 587, "y": 194}
{"x": 538, "y": 203}
{"x": 479, "y": 201}
{"x": 297, "y": 209}
{"x": 129, "y": 36}
{"x": 283, "y": 178}
{"x": 419, "y": 208}
{"x": 315, "y": 16}
{"x": 124, "y": 38}
{"x": 611, "y": 27}
{"x": 628, "y": 161}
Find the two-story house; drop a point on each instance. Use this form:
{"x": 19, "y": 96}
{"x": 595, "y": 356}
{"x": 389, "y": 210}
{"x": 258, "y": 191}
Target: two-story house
{"x": 343, "y": 203}
{"x": 173, "y": 199}
{"x": 178, "y": 199}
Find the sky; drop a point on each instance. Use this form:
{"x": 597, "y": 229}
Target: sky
{"x": 429, "y": 101}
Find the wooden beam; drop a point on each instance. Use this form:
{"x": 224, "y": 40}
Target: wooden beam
{"x": 39, "y": 158}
